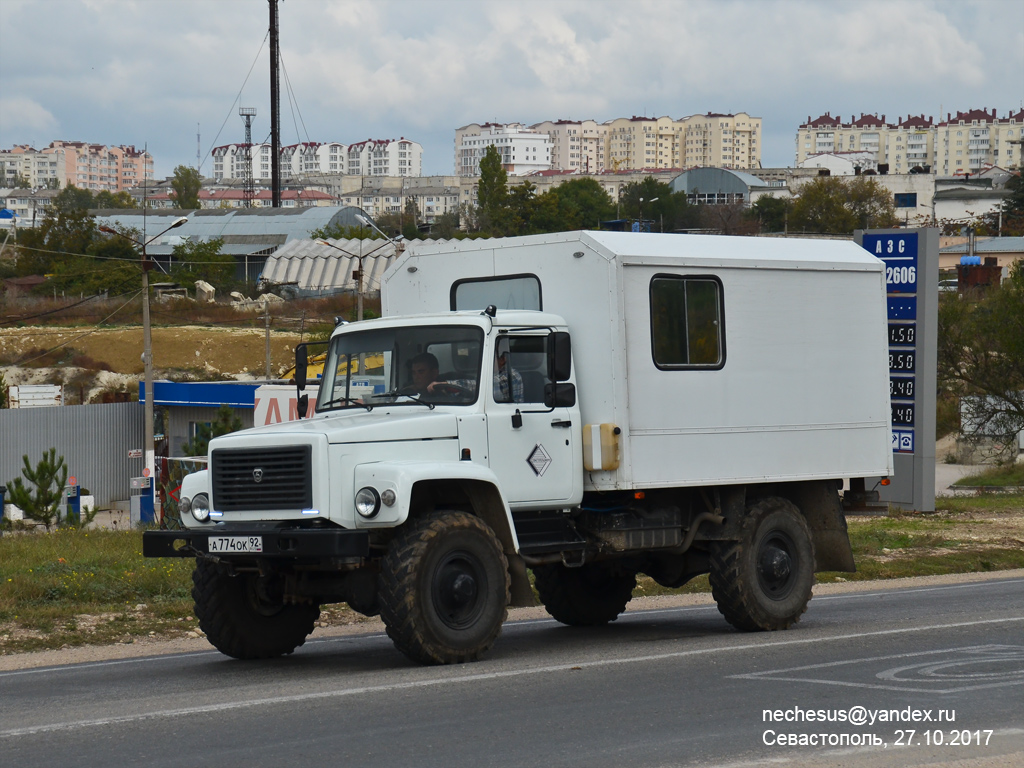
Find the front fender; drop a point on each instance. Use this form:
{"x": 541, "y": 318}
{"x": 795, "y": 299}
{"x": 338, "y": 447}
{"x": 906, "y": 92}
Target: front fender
{"x": 402, "y": 476}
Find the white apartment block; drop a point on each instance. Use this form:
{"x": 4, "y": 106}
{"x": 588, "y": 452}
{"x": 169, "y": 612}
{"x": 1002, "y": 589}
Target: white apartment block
{"x": 366, "y": 158}
{"x": 628, "y": 143}
{"x": 229, "y": 161}
{"x": 385, "y": 157}
{"x": 575, "y": 146}
{"x": 522, "y": 150}
{"x": 95, "y": 167}
{"x": 966, "y": 143}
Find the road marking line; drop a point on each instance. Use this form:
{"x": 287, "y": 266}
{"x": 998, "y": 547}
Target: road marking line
{"x": 472, "y": 678}
{"x": 775, "y": 674}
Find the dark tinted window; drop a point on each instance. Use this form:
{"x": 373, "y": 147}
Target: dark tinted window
{"x": 686, "y": 322}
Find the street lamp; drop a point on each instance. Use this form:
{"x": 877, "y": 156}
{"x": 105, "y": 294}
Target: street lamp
{"x": 147, "y": 340}
{"x": 652, "y": 200}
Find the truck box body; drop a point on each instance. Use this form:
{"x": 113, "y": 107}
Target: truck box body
{"x": 797, "y": 392}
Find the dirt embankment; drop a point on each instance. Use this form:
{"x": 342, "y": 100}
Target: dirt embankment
{"x": 202, "y": 352}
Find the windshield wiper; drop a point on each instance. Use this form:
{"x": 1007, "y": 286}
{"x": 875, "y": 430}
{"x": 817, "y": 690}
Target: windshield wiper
{"x": 396, "y": 393}
{"x": 349, "y": 401}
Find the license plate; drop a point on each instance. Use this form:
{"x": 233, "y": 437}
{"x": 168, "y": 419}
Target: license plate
{"x": 235, "y": 544}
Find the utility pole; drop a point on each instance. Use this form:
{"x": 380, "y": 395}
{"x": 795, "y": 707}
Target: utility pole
{"x": 275, "y": 110}
{"x": 248, "y": 184}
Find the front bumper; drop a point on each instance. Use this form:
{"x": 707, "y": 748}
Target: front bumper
{"x": 277, "y": 542}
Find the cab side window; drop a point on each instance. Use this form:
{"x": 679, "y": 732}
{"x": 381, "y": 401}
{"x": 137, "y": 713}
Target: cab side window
{"x": 520, "y": 369}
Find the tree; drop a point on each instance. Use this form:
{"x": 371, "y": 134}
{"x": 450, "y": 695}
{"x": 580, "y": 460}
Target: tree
{"x": 111, "y": 264}
{"x": 107, "y": 199}
{"x": 492, "y": 193}
{"x": 67, "y": 228}
{"x": 445, "y": 225}
{"x": 729, "y": 219}
{"x": 584, "y": 203}
{"x": 1008, "y": 220}
{"x": 669, "y": 211}
{"x": 194, "y": 260}
{"x": 40, "y": 500}
{"x": 411, "y": 220}
{"x": 981, "y": 355}
{"x": 772, "y": 212}
{"x": 20, "y": 182}
{"x": 186, "y": 184}
{"x": 225, "y": 423}
{"x": 3, "y": 391}
{"x": 835, "y": 205}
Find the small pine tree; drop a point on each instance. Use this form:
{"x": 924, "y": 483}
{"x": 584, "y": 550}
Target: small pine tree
{"x": 42, "y": 503}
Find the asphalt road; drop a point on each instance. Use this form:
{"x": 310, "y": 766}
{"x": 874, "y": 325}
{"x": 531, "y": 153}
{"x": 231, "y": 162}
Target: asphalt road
{"x": 670, "y": 687}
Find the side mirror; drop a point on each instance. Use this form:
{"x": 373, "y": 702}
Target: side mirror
{"x": 559, "y": 395}
{"x": 302, "y": 406}
{"x": 559, "y": 356}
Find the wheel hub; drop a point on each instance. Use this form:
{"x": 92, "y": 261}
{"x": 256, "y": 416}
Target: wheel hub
{"x": 775, "y": 567}
{"x": 456, "y": 591}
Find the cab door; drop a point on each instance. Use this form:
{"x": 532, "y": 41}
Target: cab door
{"x": 535, "y": 450}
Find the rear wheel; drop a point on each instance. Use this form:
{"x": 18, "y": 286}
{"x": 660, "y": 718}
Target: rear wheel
{"x": 444, "y": 588}
{"x": 586, "y": 596}
{"x": 243, "y": 618}
{"x": 764, "y": 580}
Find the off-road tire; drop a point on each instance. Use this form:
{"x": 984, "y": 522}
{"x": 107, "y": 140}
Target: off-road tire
{"x": 444, "y": 588}
{"x": 239, "y": 623}
{"x": 587, "y": 596}
{"x": 764, "y": 580}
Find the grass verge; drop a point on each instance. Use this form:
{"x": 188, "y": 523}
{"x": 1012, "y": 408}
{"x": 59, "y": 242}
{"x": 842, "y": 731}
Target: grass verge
{"x": 1009, "y": 476}
{"x": 71, "y": 588}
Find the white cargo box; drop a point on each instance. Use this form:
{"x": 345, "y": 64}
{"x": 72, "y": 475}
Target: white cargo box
{"x": 799, "y": 389}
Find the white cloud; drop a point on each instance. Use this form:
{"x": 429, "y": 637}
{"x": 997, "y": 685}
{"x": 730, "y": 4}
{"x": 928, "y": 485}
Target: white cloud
{"x": 23, "y": 116}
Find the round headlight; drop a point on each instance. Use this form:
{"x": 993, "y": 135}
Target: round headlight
{"x": 388, "y": 497}
{"x": 185, "y": 505}
{"x": 367, "y": 502}
{"x": 200, "y": 507}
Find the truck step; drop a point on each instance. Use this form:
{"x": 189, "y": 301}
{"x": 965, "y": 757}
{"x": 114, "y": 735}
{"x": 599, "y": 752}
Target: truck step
{"x": 542, "y": 532}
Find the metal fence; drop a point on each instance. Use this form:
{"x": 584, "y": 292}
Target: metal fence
{"x": 94, "y": 440}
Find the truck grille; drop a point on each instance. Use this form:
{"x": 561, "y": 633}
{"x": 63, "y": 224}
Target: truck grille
{"x": 255, "y": 479}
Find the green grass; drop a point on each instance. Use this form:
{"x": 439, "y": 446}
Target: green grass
{"x": 71, "y": 587}
{"x": 1011, "y": 475}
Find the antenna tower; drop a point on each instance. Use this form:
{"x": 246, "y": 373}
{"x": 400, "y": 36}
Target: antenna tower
{"x": 248, "y": 186}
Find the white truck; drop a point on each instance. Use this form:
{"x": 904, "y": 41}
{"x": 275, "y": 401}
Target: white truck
{"x": 586, "y": 405}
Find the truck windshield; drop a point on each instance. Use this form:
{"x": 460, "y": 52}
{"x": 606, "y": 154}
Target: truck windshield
{"x": 417, "y": 365}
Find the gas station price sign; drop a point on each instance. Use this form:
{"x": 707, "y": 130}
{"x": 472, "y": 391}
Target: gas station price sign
{"x": 910, "y": 262}
{"x": 899, "y": 253}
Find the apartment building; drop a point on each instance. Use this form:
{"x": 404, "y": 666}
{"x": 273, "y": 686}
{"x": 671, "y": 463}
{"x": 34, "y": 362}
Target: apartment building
{"x": 374, "y": 157}
{"x": 577, "y": 146}
{"x": 970, "y": 141}
{"x": 96, "y": 167}
{"x": 962, "y": 144}
{"x": 229, "y": 161}
{"x": 522, "y": 150}
{"x": 625, "y": 143}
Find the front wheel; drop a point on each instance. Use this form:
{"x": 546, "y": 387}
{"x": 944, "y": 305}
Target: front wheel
{"x": 444, "y": 588}
{"x": 243, "y": 618}
{"x": 764, "y": 580}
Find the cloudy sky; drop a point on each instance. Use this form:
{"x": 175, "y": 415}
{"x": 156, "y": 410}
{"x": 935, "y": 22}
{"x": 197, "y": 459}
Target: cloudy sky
{"x": 147, "y": 72}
